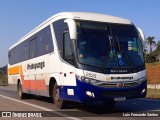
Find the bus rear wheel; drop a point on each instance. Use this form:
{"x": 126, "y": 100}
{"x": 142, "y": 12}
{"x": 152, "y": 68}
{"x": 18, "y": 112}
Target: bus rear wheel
{"x": 59, "y": 103}
{"x": 20, "y": 93}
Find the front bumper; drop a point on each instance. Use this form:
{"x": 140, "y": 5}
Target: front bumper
{"x": 87, "y": 92}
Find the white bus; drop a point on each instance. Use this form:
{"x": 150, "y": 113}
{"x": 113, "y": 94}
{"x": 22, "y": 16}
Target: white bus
{"x": 78, "y": 56}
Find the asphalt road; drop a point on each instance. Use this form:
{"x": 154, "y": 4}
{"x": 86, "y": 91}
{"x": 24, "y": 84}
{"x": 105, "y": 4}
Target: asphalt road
{"x": 10, "y": 102}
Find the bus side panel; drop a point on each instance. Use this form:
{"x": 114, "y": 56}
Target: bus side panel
{"x": 13, "y": 76}
{"x": 68, "y": 88}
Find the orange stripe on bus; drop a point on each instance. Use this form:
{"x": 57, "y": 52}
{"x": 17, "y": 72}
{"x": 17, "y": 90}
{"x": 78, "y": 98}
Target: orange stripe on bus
{"x": 13, "y": 70}
{"x": 27, "y": 84}
{"x": 34, "y": 84}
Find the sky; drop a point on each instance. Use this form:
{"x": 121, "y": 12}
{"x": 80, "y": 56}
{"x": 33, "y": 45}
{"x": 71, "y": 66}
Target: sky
{"x": 18, "y": 17}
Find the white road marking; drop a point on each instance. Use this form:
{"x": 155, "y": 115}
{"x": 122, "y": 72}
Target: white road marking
{"x": 40, "y": 107}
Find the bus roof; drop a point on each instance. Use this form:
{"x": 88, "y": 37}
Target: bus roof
{"x": 78, "y": 16}
{"x": 93, "y": 17}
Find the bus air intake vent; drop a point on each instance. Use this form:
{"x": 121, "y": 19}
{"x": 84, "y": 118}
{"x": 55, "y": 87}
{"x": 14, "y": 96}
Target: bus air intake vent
{"x": 114, "y": 85}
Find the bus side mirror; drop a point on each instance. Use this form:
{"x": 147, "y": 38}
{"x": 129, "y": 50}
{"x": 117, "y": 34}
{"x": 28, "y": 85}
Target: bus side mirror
{"x": 142, "y": 36}
{"x": 72, "y": 28}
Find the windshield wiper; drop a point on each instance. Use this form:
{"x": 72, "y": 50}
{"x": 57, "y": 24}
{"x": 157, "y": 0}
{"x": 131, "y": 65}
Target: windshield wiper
{"x": 119, "y": 49}
{"x": 105, "y": 58}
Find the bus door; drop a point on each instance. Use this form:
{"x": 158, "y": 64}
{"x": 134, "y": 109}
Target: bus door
{"x": 69, "y": 78}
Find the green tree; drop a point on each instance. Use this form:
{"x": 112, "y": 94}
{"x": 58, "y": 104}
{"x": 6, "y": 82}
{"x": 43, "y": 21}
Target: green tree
{"x": 145, "y": 51}
{"x": 151, "y": 42}
{"x": 158, "y": 46}
{"x": 158, "y": 50}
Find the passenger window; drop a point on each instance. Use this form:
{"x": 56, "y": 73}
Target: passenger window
{"x": 32, "y": 49}
{"x": 25, "y": 51}
{"x": 44, "y": 42}
{"x": 68, "y": 56}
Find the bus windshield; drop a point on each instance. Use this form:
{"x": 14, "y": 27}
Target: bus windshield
{"x": 108, "y": 45}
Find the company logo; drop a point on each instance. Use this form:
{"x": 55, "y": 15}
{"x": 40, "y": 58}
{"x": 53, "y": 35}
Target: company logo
{"x": 117, "y": 78}
{"x": 21, "y": 114}
{"x": 108, "y": 78}
{"x": 119, "y": 71}
{"x": 36, "y": 65}
{"x": 120, "y": 85}
{"x": 6, "y": 114}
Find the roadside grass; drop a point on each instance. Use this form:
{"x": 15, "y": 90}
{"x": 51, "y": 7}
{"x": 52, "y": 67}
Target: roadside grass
{"x": 153, "y": 77}
{"x": 3, "y": 81}
{"x": 153, "y": 93}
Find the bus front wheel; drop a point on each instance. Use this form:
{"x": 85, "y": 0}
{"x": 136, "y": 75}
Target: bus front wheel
{"x": 59, "y": 103}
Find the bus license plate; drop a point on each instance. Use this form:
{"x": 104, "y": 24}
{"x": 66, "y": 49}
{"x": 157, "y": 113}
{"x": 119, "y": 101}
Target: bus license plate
{"x": 119, "y": 98}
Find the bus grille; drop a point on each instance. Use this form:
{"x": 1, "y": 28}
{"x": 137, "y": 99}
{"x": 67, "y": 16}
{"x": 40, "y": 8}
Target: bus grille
{"x": 114, "y": 85}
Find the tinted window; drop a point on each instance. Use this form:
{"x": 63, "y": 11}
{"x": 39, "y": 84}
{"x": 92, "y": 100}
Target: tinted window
{"x": 107, "y": 45}
{"x": 15, "y": 55}
{"x": 67, "y": 48}
{"x": 32, "y": 48}
{"x": 25, "y": 50}
{"x": 44, "y": 42}
{"x": 39, "y": 44}
{"x": 11, "y": 56}
{"x": 59, "y": 27}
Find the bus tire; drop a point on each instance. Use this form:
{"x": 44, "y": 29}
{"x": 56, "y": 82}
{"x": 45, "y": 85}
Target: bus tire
{"x": 20, "y": 93}
{"x": 59, "y": 103}
{"x": 109, "y": 103}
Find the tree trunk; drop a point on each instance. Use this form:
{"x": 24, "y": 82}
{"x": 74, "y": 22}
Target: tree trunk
{"x": 150, "y": 48}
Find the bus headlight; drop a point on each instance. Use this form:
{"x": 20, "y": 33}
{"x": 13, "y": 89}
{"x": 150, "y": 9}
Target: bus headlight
{"x": 87, "y": 80}
{"x": 143, "y": 91}
{"x": 141, "y": 80}
{"x": 91, "y": 81}
{"x": 81, "y": 78}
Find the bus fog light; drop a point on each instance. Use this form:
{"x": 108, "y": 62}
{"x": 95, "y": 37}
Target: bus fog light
{"x": 87, "y": 80}
{"x": 90, "y": 93}
{"x": 141, "y": 80}
{"x": 93, "y": 95}
{"x": 143, "y": 91}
